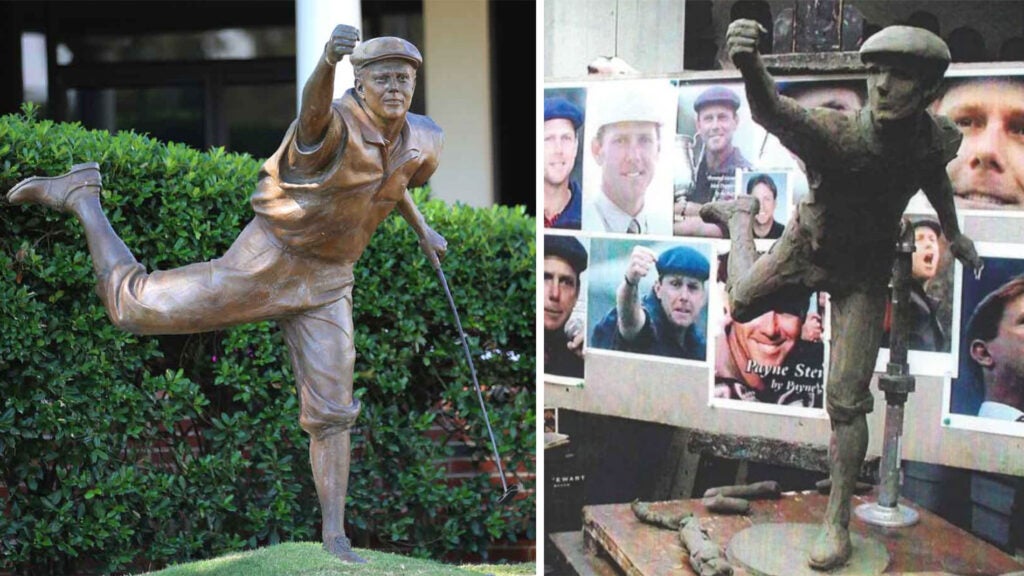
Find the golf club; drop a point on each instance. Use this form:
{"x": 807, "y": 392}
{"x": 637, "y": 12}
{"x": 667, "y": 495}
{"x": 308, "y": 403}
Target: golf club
{"x": 509, "y": 492}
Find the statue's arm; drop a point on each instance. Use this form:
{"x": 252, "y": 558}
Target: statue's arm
{"x": 939, "y": 191}
{"x": 433, "y": 244}
{"x": 317, "y": 94}
{"x": 794, "y": 126}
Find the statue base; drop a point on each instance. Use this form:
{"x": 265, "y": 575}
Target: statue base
{"x": 782, "y": 550}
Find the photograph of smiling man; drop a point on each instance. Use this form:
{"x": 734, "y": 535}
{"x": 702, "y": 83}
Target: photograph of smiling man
{"x": 627, "y": 185}
{"x": 988, "y": 171}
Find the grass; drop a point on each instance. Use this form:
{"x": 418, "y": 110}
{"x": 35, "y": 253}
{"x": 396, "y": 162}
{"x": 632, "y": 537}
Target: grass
{"x": 309, "y": 559}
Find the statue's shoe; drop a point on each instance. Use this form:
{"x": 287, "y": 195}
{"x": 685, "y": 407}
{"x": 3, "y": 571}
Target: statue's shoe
{"x": 722, "y": 212}
{"x": 341, "y": 547}
{"x": 832, "y": 549}
{"x": 56, "y": 192}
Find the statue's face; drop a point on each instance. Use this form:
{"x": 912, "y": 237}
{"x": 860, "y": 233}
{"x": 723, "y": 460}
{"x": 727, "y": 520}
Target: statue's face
{"x": 895, "y": 92}
{"x": 386, "y": 87}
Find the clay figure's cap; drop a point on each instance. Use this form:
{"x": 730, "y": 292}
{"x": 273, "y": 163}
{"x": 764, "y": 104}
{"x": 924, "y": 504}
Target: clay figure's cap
{"x": 717, "y": 95}
{"x": 385, "y": 48}
{"x": 905, "y": 41}
{"x": 613, "y": 101}
{"x": 558, "y": 107}
{"x": 684, "y": 261}
{"x": 927, "y": 221}
{"x": 567, "y": 248}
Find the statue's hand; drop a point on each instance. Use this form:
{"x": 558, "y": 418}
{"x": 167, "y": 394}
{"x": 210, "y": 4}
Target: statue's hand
{"x": 963, "y": 249}
{"x": 343, "y": 41}
{"x": 434, "y": 246}
{"x": 741, "y": 39}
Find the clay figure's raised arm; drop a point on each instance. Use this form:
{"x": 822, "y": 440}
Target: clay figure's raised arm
{"x": 315, "y": 111}
{"x": 794, "y": 126}
{"x": 434, "y": 245}
{"x": 630, "y": 313}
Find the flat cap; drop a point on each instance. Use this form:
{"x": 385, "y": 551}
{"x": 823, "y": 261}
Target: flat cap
{"x": 717, "y": 95}
{"x": 927, "y": 221}
{"x": 905, "y": 41}
{"x": 385, "y": 48}
{"x": 684, "y": 261}
{"x": 558, "y": 107}
{"x": 567, "y": 248}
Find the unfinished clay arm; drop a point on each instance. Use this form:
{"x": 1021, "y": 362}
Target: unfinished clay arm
{"x": 939, "y": 192}
{"x": 794, "y": 126}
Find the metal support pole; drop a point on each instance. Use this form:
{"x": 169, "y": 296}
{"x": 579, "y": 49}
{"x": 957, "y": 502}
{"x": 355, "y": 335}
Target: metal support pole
{"x": 897, "y": 383}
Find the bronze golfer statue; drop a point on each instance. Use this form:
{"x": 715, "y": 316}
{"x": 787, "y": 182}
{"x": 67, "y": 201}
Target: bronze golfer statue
{"x": 343, "y": 166}
{"x": 863, "y": 168}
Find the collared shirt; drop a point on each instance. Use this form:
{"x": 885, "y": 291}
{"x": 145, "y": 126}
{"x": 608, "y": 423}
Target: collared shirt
{"x": 603, "y": 215}
{"x": 571, "y": 215}
{"x": 999, "y": 411}
{"x": 328, "y": 200}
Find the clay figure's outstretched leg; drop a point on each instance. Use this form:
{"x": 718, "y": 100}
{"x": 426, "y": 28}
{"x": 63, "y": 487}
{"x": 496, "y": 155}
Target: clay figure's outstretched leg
{"x": 738, "y": 216}
{"x": 856, "y": 331}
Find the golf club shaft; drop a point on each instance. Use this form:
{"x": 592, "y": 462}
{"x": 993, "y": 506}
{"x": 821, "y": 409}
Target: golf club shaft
{"x": 472, "y": 371}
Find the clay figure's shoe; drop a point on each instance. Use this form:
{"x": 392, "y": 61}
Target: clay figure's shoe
{"x": 341, "y": 547}
{"x": 832, "y": 549}
{"x": 722, "y": 212}
{"x": 56, "y": 192}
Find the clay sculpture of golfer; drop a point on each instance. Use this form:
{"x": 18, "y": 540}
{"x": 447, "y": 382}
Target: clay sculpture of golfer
{"x": 343, "y": 166}
{"x": 863, "y": 168}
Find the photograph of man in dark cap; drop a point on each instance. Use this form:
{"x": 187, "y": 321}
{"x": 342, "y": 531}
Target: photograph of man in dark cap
{"x": 565, "y": 260}
{"x": 717, "y": 117}
{"x": 563, "y": 197}
{"x": 667, "y": 321}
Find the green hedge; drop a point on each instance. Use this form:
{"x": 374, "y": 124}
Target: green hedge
{"x": 116, "y": 448}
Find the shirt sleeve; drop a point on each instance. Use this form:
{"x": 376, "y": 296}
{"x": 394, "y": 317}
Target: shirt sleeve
{"x": 307, "y": 164}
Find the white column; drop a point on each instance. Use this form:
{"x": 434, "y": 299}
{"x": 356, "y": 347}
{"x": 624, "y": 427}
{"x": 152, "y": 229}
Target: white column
{"x": 456, "y": 59}
{"x": 314, "y": 22}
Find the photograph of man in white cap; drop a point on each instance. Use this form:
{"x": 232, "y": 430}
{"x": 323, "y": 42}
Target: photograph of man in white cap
{"x": 628, "y": 194}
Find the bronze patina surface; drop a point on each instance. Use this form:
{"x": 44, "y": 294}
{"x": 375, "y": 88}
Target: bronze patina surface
{"x": 343, "y": 166}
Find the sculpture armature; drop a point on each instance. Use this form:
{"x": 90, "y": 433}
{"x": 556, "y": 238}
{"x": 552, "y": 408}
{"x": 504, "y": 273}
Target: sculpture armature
{"x": 343, "y": 166}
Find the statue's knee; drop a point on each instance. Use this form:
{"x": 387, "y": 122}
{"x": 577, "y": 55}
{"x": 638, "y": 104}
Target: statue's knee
{"x": 321, "y": 422}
